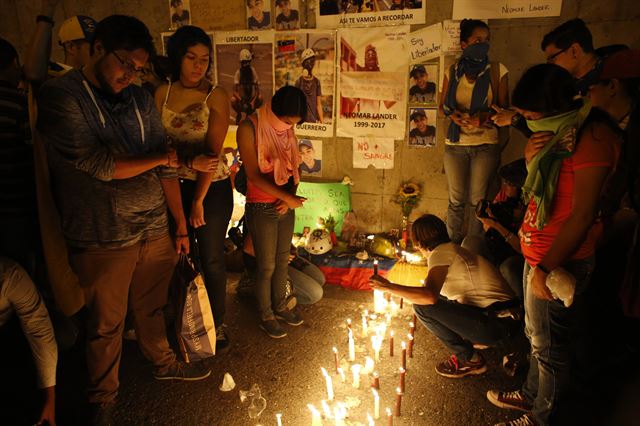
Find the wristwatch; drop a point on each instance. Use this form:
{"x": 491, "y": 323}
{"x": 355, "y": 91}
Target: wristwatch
{"x": 516, "y": 119}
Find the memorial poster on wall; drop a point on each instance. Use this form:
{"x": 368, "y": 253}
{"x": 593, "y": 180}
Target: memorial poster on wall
{"x": 506, "y": 9}
{"x": 376, "y": 152}
{"x": 306, "y": 59}
{"x": 244, "y": 68}
{"x": 423, "y": 84}
{"x": 259, "y": 14}
{"x": 372, "y": 82}
{"x": 311, "y": 156}
{"x": 425, "y": 44}
{"x": 287, "y": 15}
{"x": 180, "y": 12}
{"x": 359, "y": 13}
{"x": 422, "y": 127}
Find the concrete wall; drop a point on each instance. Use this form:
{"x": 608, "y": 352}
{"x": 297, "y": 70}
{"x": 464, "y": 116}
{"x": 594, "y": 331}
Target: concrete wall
{"x": 514, "y": 42}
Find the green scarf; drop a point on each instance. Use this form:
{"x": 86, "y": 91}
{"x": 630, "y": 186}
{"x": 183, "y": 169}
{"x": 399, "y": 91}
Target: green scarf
{"x": 544, "y": 169}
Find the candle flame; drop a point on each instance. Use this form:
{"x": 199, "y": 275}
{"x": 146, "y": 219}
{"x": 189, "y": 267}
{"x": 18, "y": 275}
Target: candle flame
{"x": 404, "y": 345}
{"x": 324, "y": 372}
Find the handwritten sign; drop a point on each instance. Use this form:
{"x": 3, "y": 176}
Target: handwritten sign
{"x": 377, "y": 152}
{"x": 506, "y": 9}
{"x": 323, "y": 199}
{"x": 425, "y": 44}
{"x": 451, "y": 36}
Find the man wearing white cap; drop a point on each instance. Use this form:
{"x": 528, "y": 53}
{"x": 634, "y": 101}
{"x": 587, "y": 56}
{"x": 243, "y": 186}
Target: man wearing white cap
{"x": 310, "y": 85}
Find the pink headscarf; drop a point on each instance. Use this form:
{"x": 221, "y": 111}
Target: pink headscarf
{"x": 277, "y": 147}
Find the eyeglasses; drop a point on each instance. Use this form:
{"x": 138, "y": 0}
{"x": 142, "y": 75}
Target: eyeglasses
{"x": 552, "y": 59}
{"x": 129, "y": 66}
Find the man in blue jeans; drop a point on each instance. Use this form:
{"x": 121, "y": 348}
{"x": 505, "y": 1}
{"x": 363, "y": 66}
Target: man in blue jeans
{"x": 460, "y": 300}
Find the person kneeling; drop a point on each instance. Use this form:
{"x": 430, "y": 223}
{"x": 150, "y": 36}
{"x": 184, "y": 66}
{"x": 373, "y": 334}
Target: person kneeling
{"x": 458, "y": 303}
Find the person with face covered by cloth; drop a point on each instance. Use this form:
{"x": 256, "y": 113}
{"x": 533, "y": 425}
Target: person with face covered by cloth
{"x": 563, "y": 187}
{"x": 246, "y": 97}
{"x": 310, "y": 86}
{"x": 472, "y": 150}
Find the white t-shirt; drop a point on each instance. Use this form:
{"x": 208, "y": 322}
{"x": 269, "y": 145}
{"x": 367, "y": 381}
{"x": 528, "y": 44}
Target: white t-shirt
{"x": 471, "y": 279}
{"x": 475, "y": 136}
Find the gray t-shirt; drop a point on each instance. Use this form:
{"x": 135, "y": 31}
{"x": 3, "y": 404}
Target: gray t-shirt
{"x": 97, "y": 210}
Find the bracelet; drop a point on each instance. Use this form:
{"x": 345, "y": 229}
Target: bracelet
{"x": 543, "y": 268}
{"x": 45, "y": 18}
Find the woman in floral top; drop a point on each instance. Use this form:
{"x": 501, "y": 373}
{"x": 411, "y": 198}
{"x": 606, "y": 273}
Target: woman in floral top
{"x": 195, "y": 116}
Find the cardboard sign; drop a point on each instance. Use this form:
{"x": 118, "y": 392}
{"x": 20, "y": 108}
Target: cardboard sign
{"x": 425, "y": 44}
{"x": 323, "y": 199}
{"x": 450, "y": 36}
{"x": 377, "y": 152}
{"x": 506, "y": 9}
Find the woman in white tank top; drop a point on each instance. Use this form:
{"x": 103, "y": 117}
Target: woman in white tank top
{"x": 195, "y": 116}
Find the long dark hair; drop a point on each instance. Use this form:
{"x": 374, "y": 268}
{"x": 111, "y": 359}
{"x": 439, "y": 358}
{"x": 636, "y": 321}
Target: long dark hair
{"x": 179, "y": 42}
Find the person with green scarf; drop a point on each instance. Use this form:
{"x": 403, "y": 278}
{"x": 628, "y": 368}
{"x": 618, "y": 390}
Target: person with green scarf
{"x": 560, "y": 228}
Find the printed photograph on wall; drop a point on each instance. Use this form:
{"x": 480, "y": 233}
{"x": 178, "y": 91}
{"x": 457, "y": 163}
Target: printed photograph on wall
{"x": 258, "y": 14}
{"x": 423, "y": 84}
{"x": 372, "y": 82}
{"x": 358, "y": 13}
{"x": 180, "y": 12}
{"x": 287, "y": 15}
{"x": 244, "y": 68}
{"x": 306, "y": 59}
{"x": 422, "y": 127}
{"x": 311, "y": 155}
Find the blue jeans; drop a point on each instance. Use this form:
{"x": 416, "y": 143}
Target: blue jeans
{"x": 307, "y": 281}
{"x": 469, "y": 170}
{"x": 271, "y": 233}
{"x": 459, "y": 326}
{"x": 549, "y": 326}
{"x": 209, "y": 247}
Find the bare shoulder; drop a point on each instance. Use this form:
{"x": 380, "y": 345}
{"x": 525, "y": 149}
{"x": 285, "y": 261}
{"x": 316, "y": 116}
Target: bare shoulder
{"x": 218, "y": 97}
{"x": 160, "y": 93}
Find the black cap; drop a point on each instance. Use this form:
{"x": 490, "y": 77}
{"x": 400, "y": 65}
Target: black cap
{"x": 417, "y": 114}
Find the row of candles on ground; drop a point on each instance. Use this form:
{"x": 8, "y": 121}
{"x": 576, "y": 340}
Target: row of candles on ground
{"x": 339, "y": 412}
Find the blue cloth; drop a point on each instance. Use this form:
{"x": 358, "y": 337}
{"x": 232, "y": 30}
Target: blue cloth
{"x": 479, "y": 68}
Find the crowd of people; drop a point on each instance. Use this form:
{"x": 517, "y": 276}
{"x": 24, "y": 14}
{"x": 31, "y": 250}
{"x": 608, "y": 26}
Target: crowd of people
{"x": 105, "y": 183}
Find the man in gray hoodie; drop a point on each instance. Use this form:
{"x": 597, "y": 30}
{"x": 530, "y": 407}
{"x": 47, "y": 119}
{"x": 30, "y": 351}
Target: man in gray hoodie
{"x": 113, "y": 178}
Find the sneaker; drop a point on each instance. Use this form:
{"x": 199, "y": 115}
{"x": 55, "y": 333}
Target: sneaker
{"x": 180, "y": 370}
{"x": 525, "y": 420}
{"x": 222, "y": 339}
{"x": 455, "y": 368}
{"x": 273, "y": 329}
{"x": 290, "y": 316}
{"x": 514, "y": 400}
{"x": 101, "y": 413}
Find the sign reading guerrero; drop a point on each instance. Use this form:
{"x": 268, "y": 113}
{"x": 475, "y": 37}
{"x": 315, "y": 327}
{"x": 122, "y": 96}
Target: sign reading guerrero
{"x": 492, "y": 9}
{"x": 372, "y": 83}
{"x": 340, "y": 14}
{"x": 306, "y": 59}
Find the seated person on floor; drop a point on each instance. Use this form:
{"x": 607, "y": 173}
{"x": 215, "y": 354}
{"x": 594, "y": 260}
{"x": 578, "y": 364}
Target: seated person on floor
{"x": 501, "y": 220}
{"x": 18, "y": 295}
{"x": 305, "y": 280}
{"x": 460, "y": 301}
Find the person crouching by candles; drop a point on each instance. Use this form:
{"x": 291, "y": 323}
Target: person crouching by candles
{"x": 269, "y": 152}
{"x": 458, "y": 303}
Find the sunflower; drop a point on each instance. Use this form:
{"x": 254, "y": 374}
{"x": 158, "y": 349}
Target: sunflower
{"x": 409, "y": 190}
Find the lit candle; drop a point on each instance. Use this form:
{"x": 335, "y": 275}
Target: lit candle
{"x": 352, "y": 347}
{"x": 391, "y": 343}
{"x": 376, "y": 343}
{"x": 403, "y": 373}
{"x": 365, "y": 324}
{"x": 410, "y": 337}
{"x": 379, "y": 302}
{"x": 369, "y": 365}
{"x": 375, "y": 266}
{"x": 342, "y": 375}
{"x": 404, "y": 355}
{"x": 398, "y": 402}
{"x": 329, "y": 384}
{"x": 376, "y": 404}
{"x": 389, "y": 417}
{"x": 415, "y": 320}
{"x": 279, "y": 419}
{"x": 335, "y": 357}
{"x": 370, "y": 420}
{"x": 349, "y": 325}
{"x": 388, "y": 316}
{"x": 316, "y": 420}
{"x": 412, "y": 328}
{"x": 394, "y": 308}
{"x": 325, "y": 409}
{"x": 375, "y": 382}
{"x": 355, "y": 369}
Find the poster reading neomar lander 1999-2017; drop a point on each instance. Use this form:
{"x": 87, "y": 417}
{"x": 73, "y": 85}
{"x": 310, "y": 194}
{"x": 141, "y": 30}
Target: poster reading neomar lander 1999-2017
{"x": 372, "y": 82}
